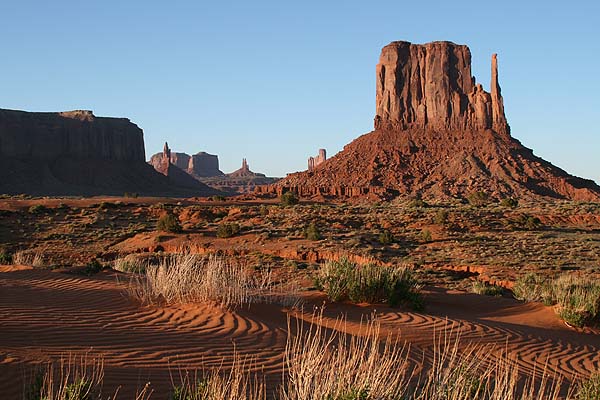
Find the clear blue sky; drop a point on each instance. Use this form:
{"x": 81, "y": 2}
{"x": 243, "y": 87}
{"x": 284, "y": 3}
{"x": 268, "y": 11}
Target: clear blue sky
{"x": 273, "y": 81}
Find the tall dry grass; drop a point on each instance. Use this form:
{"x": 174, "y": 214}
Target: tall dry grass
{"x": 235, "y": 384}
{"x": 31, "y": 259}
{"x": 183, "y": 278}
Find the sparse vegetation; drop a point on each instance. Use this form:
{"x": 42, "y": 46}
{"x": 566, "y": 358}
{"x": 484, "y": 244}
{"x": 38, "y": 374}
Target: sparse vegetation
{"x": 168, "y": 223}
{"x": 478, "y": 199}
{"x": 589, "y": 389}
{"x": 184, "y": 278}
{"x": 509, "y": 202}
{"x": 93, "y": 267}
{"x": 227, "y": 230}
{"x": 37, "y": 208}
{"x": 486, "y": 289}
{"x": 28, "y": 258}
{"x": 129, "y": 264}
{"x": 386, "y": 237}
{"x": 312, "y": 232}
{"x": 5, "y": 258}
{"x": 576, "y": 298}
{"x": 344, "y": 280}
{"x": 289, "y": 199}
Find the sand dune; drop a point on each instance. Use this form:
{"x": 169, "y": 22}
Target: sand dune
{"x": 45, "y": 315}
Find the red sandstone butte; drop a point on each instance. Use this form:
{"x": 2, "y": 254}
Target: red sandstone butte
{"x": 437, "y": 134}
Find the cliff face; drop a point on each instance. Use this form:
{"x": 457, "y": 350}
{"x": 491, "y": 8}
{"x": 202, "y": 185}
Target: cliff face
{"x": 73, "y": 134}
{"x": 437, "y": 134}
{"x": 431, "y": 86}
{"x": 314, "y": 162}
{"x": 77, "y": 153}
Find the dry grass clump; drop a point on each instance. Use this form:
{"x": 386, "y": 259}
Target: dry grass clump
{"x": 184, "y": 278}
{"x": 31, "y": 259}
{"x": 328, "y": 364}
{"x": 576, "y": 298}
{"x": 235, "y": 384}
{"x": 130, "y": 264}
{"x": 72, "y": 378}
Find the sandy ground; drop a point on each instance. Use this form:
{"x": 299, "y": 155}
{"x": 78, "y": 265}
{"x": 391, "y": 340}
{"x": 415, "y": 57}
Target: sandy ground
{"x": 45, "y": 315}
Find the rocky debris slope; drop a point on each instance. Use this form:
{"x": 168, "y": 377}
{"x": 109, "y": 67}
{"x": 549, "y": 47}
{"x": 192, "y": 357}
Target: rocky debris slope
{"x": 437, "y": 133}
{"x": 77, "y": 153}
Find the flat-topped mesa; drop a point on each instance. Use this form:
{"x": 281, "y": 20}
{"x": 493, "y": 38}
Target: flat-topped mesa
{"x": 431, "y": 86}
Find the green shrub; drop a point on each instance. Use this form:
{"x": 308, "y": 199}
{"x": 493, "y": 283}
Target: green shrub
{"x": 425, "y": 236}
{"x": 218, "y": 198}
{"x": 478, "y": 199}
{"x": 289, "y": 199}
{"x": 509, "y": 202}
{"x": 344, "y": 280}
{"x": 577, "y": 298}
{"x": 130, "y": 195}
{"x": 37, "y": 208}
{"x": 441, "y": 217}
{"x": 417, "y": 203}
{"x": 533, "y": 287}
{"x": 386, "y": 237}
{"x": 5, "y": 258}
{"x": 589, "y": 389}
{"x": 485, "y": 289}
{"x": 93, "y": 267}
{"x": 528, "y": 222}
{"x": 227, "y": 230}
{"x": 312, "y": 232}
{"x": 168, "y": 223}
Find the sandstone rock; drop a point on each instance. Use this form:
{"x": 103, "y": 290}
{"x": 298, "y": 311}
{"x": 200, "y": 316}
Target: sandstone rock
{"x": 204, "y": 165}
{"x": 313, "y": 162}
{"x": 437, "y": 134}
{"x": 431, "y": 86}
{"x": 244, "y": 172}
{"x": 77, "y": 153}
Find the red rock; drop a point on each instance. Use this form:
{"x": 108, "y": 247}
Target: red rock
{"x": 314, "y": 162}
{"x": 437, "y": 134}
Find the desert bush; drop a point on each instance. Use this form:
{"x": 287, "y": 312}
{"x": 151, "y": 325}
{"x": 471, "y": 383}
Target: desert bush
{"x": 168, "y": 223}
{"x": 529, "y": 222}
{"x": 425, "y": 236}
{"x": 130, "y": 195}
{"x": 417, "y": 203}
{"x": 485, "y": 289}
{"x": 73, "y": 378}
{"x": 183, "y": 278}
{"x": 533, "y": 287}
{"x": 589, "y": 389}
{"x": 509, "y": 202}
{"x": 93, "y": 267}
{"x": 37, "y": 208}
{"x": 129, "y": 264}
{"x": 289, "y": 199}
{"x": 441, "y": 217}
{"x": 386, "y": 237}
{"x": 311, "y": 232}
{"x": 235, "y": 384}
{"x": 577, "y": 299}
{"x": 217, "y": 198}
{"x": 5, "y": 258}
{"x": 344, "y": 280}
{"x": 228, "y": 229}
{"x": 32, "y": 259}
{"x": 478, "y": 199}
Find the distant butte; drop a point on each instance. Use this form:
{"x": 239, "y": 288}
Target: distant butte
{"x": 437, "y": 134}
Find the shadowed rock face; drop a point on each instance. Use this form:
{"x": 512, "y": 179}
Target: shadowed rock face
{"x": 199, "y": 165}
{"x": 437, "y": 134}
{"x": 77, "y": 153}
{"x": 73, "y": 134}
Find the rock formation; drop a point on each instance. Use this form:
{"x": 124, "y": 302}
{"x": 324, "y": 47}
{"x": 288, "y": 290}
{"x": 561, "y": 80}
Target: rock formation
{"x": 437, "y": 134}
{"x": 313, "y": 162}
{"x": 244, "y": 172}
{"x": 200, "y": 165}
{"x": 77, "y": 153}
